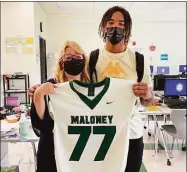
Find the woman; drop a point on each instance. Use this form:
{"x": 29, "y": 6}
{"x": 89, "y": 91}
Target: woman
{"x": 72, "y": 65}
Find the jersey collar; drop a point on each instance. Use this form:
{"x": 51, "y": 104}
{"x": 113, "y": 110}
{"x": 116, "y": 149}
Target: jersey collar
{"x": 91, "y": 103}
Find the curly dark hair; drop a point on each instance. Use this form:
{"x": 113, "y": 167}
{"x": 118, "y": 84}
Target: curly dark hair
{"x": 107, "y": 16}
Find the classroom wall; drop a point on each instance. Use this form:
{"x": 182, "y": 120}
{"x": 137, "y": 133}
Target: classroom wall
{"x": 17, "y": 18}
{"x": 169, "y": 36}
{"x": 22, "y": 18}
{"x": 39, "y": 16}
{"x": 25, "y": 20}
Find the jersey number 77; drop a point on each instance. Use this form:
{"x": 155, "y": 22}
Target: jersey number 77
{"x": 85, "y": 131}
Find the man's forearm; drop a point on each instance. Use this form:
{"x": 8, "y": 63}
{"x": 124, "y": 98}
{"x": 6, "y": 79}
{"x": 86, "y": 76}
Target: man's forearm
{"x": 146, "y": 102}
{"x": 148, "y": 99}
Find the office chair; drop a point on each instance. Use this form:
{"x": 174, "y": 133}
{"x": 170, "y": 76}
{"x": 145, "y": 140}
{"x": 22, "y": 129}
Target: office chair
{"x": 177, "y": 130}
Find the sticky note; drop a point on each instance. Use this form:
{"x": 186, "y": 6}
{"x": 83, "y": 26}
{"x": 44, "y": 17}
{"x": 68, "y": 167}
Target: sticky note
{"x": 30, "y": 40}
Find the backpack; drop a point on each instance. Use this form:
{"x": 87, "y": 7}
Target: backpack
{"x": 94, "y": 58}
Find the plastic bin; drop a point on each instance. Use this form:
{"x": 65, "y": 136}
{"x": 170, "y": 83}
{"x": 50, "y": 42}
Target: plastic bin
{"x": 12, "y": 101}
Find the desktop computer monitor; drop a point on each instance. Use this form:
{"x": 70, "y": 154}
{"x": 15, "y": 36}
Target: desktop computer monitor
{"x": 151, "y": 69}
{"x": 182, "y": 68}
{"x": 163, "y": 70}
{"x": 159, "y": 81}
{"x": 175, "y": 87}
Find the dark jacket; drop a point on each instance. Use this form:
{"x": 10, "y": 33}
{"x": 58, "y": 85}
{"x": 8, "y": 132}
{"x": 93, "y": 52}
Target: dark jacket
{"x": 44, "y": 130}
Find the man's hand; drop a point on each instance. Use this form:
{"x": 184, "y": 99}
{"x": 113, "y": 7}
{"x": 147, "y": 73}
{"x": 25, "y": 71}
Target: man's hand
{"x": 31, "y": 90}
{"x": 142, "y": 90}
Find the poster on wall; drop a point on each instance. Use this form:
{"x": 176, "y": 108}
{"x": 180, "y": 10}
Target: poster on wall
{"x": 30, "y": 40}
{"x": 12, "y": 49}
{"x": 27, "y": 50}
{"x": 164, "y": 57}
{"x": 19, "y": 45}
{"x": 15, "y": 40}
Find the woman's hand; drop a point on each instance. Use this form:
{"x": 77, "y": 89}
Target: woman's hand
{"x": 31, "y": 90}
{"x": 45, "y": 89}
{"x": 142, "y": 90}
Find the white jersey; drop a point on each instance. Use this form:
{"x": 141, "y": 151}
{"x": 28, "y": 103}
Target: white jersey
{"x": 91, "y": 132}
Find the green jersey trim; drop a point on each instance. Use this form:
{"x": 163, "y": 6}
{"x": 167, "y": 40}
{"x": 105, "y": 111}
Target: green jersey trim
{"x": 91, "y": 103}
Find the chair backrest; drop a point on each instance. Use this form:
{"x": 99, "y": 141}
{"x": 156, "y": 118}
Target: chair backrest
{"x": 178, "y": 118}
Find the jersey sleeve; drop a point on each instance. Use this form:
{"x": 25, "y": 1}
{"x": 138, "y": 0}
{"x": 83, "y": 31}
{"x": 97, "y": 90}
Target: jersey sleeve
{"x": 42, "y": 126}
{"x": 147, "y": 74}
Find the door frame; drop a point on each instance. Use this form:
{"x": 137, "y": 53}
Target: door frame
{"x": 41, "y": 77}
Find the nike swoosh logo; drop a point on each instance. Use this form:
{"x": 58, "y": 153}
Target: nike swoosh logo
{"x": 108, "y": 103}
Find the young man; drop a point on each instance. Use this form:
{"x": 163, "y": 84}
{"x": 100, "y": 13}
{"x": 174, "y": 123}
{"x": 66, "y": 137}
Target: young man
{"x": 118, "y": 61}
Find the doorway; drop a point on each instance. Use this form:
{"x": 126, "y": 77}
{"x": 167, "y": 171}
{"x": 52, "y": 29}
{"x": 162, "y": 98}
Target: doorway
{"x": 43, "y": 59}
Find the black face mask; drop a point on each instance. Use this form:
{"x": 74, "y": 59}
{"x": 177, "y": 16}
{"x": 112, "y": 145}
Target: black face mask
{"x": 115, "y": 35}
{"x": 74, "y": 67}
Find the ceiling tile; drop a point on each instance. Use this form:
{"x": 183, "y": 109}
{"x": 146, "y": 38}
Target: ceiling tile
{"x": 138, "y": 10}
{"x": 76, "y": 6}
{"x": 176, "y": 5}
{"x": 148, "y": 6}
{"x": 104, "y": 6}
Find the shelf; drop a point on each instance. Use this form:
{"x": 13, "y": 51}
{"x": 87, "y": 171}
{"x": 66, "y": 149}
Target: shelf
{"x": 15, "y": 91}
{"x": 21, "y": 78}
{"x": 7, "y": 91}
{"x": 10, "y": 107}
{"x": 13, "y": 76}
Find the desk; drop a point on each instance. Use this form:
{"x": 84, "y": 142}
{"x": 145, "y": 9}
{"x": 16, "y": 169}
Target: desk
{"x": 165, "y": 110}
{"x": 161, "y": 110}
{"x": 32, "y": 138}
{"x": 155, "y": 114}
{"x": 148, "y": 112}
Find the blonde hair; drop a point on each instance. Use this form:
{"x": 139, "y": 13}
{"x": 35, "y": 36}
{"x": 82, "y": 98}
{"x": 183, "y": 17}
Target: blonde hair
{"x": 60, "y": 74}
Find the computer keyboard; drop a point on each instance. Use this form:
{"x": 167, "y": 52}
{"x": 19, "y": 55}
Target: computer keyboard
{"x": 177, "y": 106}
{"x": 176, "y": 103}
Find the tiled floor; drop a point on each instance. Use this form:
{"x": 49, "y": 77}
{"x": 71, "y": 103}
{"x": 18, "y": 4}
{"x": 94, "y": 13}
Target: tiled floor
{"x": 160, "y": 164}
{"x": 21, "y": 153}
